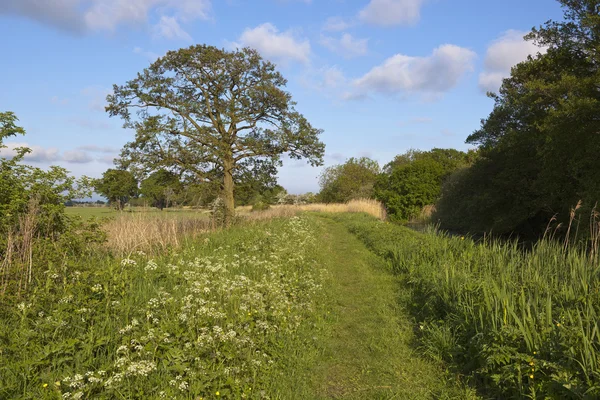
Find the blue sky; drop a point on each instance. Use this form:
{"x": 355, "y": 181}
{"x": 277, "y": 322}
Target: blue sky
{"x": 379, "y": 76}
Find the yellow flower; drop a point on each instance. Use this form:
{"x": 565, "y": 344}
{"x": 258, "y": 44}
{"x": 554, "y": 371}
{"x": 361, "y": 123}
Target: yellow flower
{"x": 45, "y": 385}
{"x": 462, "y": 238}
{"x": 531, "y": 376}
{"x": 531, "y": 363}
{"x": 535, "y": 352}
{"x": 57, "y": 383}
{"x": 558, "y": 324}
{"x": 218, "y": 394}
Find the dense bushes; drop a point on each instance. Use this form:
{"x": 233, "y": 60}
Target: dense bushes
{"x": 413, "y": 180}
{"x": 34, "y": 229}
{"x": 517, "y": 323}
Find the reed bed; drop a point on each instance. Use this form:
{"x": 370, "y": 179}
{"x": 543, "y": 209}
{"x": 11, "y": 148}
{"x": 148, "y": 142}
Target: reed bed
{"x": 128, "y": 233}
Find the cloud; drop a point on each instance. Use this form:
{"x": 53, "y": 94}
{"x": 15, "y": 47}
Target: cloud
{"x": 277, "y": 46}
{"x": 336, "y": 24}
{"x": 431, "y": 76}
{"x": 391, "y": 12}
{"x": 504, "y": 53}
{"x": 169, "y": 28}
{"x": 98, "y": 149}
{"x": 47, "y": 155}
{"x": 77, "y": 157}
{"x": 97, "y": 97}
{"x": 346, "y": 45}
{"x": 80, "y": 16}
{"x": 37, "y": 154}
{"x": 110, "y": 160}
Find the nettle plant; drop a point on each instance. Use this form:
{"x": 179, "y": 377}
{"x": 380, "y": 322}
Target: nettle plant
{"x": 33, "y": 224}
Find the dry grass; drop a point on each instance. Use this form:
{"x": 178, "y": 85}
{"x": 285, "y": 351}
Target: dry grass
{"x": 371, "y": 207}
{"x": 424, "y": 216}
{"x": 129, "y": 232}
{"x": 152, "y": 233}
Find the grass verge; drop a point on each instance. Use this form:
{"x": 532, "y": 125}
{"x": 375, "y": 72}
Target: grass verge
{"x": 518, "y": 324}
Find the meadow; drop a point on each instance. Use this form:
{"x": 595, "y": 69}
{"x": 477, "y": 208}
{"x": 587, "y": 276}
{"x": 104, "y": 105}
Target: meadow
{"x": 303, "y": 302}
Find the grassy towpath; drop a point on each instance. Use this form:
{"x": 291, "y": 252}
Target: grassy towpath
{"x": 367, "y": 352}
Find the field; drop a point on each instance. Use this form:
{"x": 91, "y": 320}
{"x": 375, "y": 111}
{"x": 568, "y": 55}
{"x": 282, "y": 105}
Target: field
{"x": 107, "y": 212}
{"x": 318, "y": 302}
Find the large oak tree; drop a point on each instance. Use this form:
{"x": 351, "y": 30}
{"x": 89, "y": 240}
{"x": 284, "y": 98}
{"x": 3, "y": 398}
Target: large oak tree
{"x": 212, "y": 113}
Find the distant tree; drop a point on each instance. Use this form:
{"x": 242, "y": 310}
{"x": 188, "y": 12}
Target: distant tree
{"x": 214, "y": 114}
{"x": 352, "y": 180}
{"x": 117, "y": 186}
{"x": 413, "y": 180}
{"x": 161, "y": 187}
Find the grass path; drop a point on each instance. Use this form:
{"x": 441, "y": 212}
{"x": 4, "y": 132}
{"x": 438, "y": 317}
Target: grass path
{"x": 368, "y": 353}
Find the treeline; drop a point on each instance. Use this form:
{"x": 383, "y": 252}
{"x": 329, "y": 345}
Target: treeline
{"x": 164, "y": 189}
{"x": 537, "y": 152}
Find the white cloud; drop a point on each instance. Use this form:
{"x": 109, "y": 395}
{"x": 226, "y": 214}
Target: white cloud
{"x": 77, "y": 157}
{"x": 431, "y": 76}
{"x": 391, "y": 12}
{"x": 336, "y": 24}
{"x": 505, "y": 52}
{"x": 274, "y": 45}
{"x": 47, "y": 155}
{"x": 98, "y": 149}
{"x": 169, "y": 28}
{"x": 346, "y": 45}
{"x": 37, "y": 154}
{"x": 107, "y": 15}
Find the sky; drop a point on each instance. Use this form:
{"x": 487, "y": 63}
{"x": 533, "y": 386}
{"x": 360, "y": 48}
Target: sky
{"x": 380, "y": 77}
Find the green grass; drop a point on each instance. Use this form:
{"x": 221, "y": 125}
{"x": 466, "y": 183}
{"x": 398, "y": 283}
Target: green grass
{"x": 231, "y": 313}
{"x": 518, "y": 323}
{"x": 286, "y": 309}
{"x": 369, "y": 353}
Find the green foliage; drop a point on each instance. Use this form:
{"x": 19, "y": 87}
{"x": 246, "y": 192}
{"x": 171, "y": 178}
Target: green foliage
{"x": 226, "y": 314}
{"x": 352, "y": 180}
{"x": 214, "y": 115}
{"x": 161, "y": 187}
{"x": 117, "y": 186}
{"x": 538, "y": 147}
{"x": 34, "y": 229}
{"x": 519, "y": 324}
{"x": 413, "y": 180}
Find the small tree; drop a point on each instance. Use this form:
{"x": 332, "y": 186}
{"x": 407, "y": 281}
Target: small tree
{"x": 117, "y": 186}
{"x": 352, "y": 180}
{"x": 160, "y": 187}
{"x": 214, "y": 114}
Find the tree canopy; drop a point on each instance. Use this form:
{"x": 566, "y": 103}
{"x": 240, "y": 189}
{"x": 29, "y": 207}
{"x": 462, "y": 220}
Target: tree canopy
{"x": 161, "y": 187}
{"x": 118, "y": 186}
{"x": 539, "y": 146}
{"x": 413, "y": 180}
{"x": 214, "y": 114}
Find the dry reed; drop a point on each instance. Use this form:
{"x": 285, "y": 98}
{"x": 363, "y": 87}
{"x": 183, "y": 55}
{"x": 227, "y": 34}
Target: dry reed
{"x": 156, "y": 233}
{"x": 368, "y": 206}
